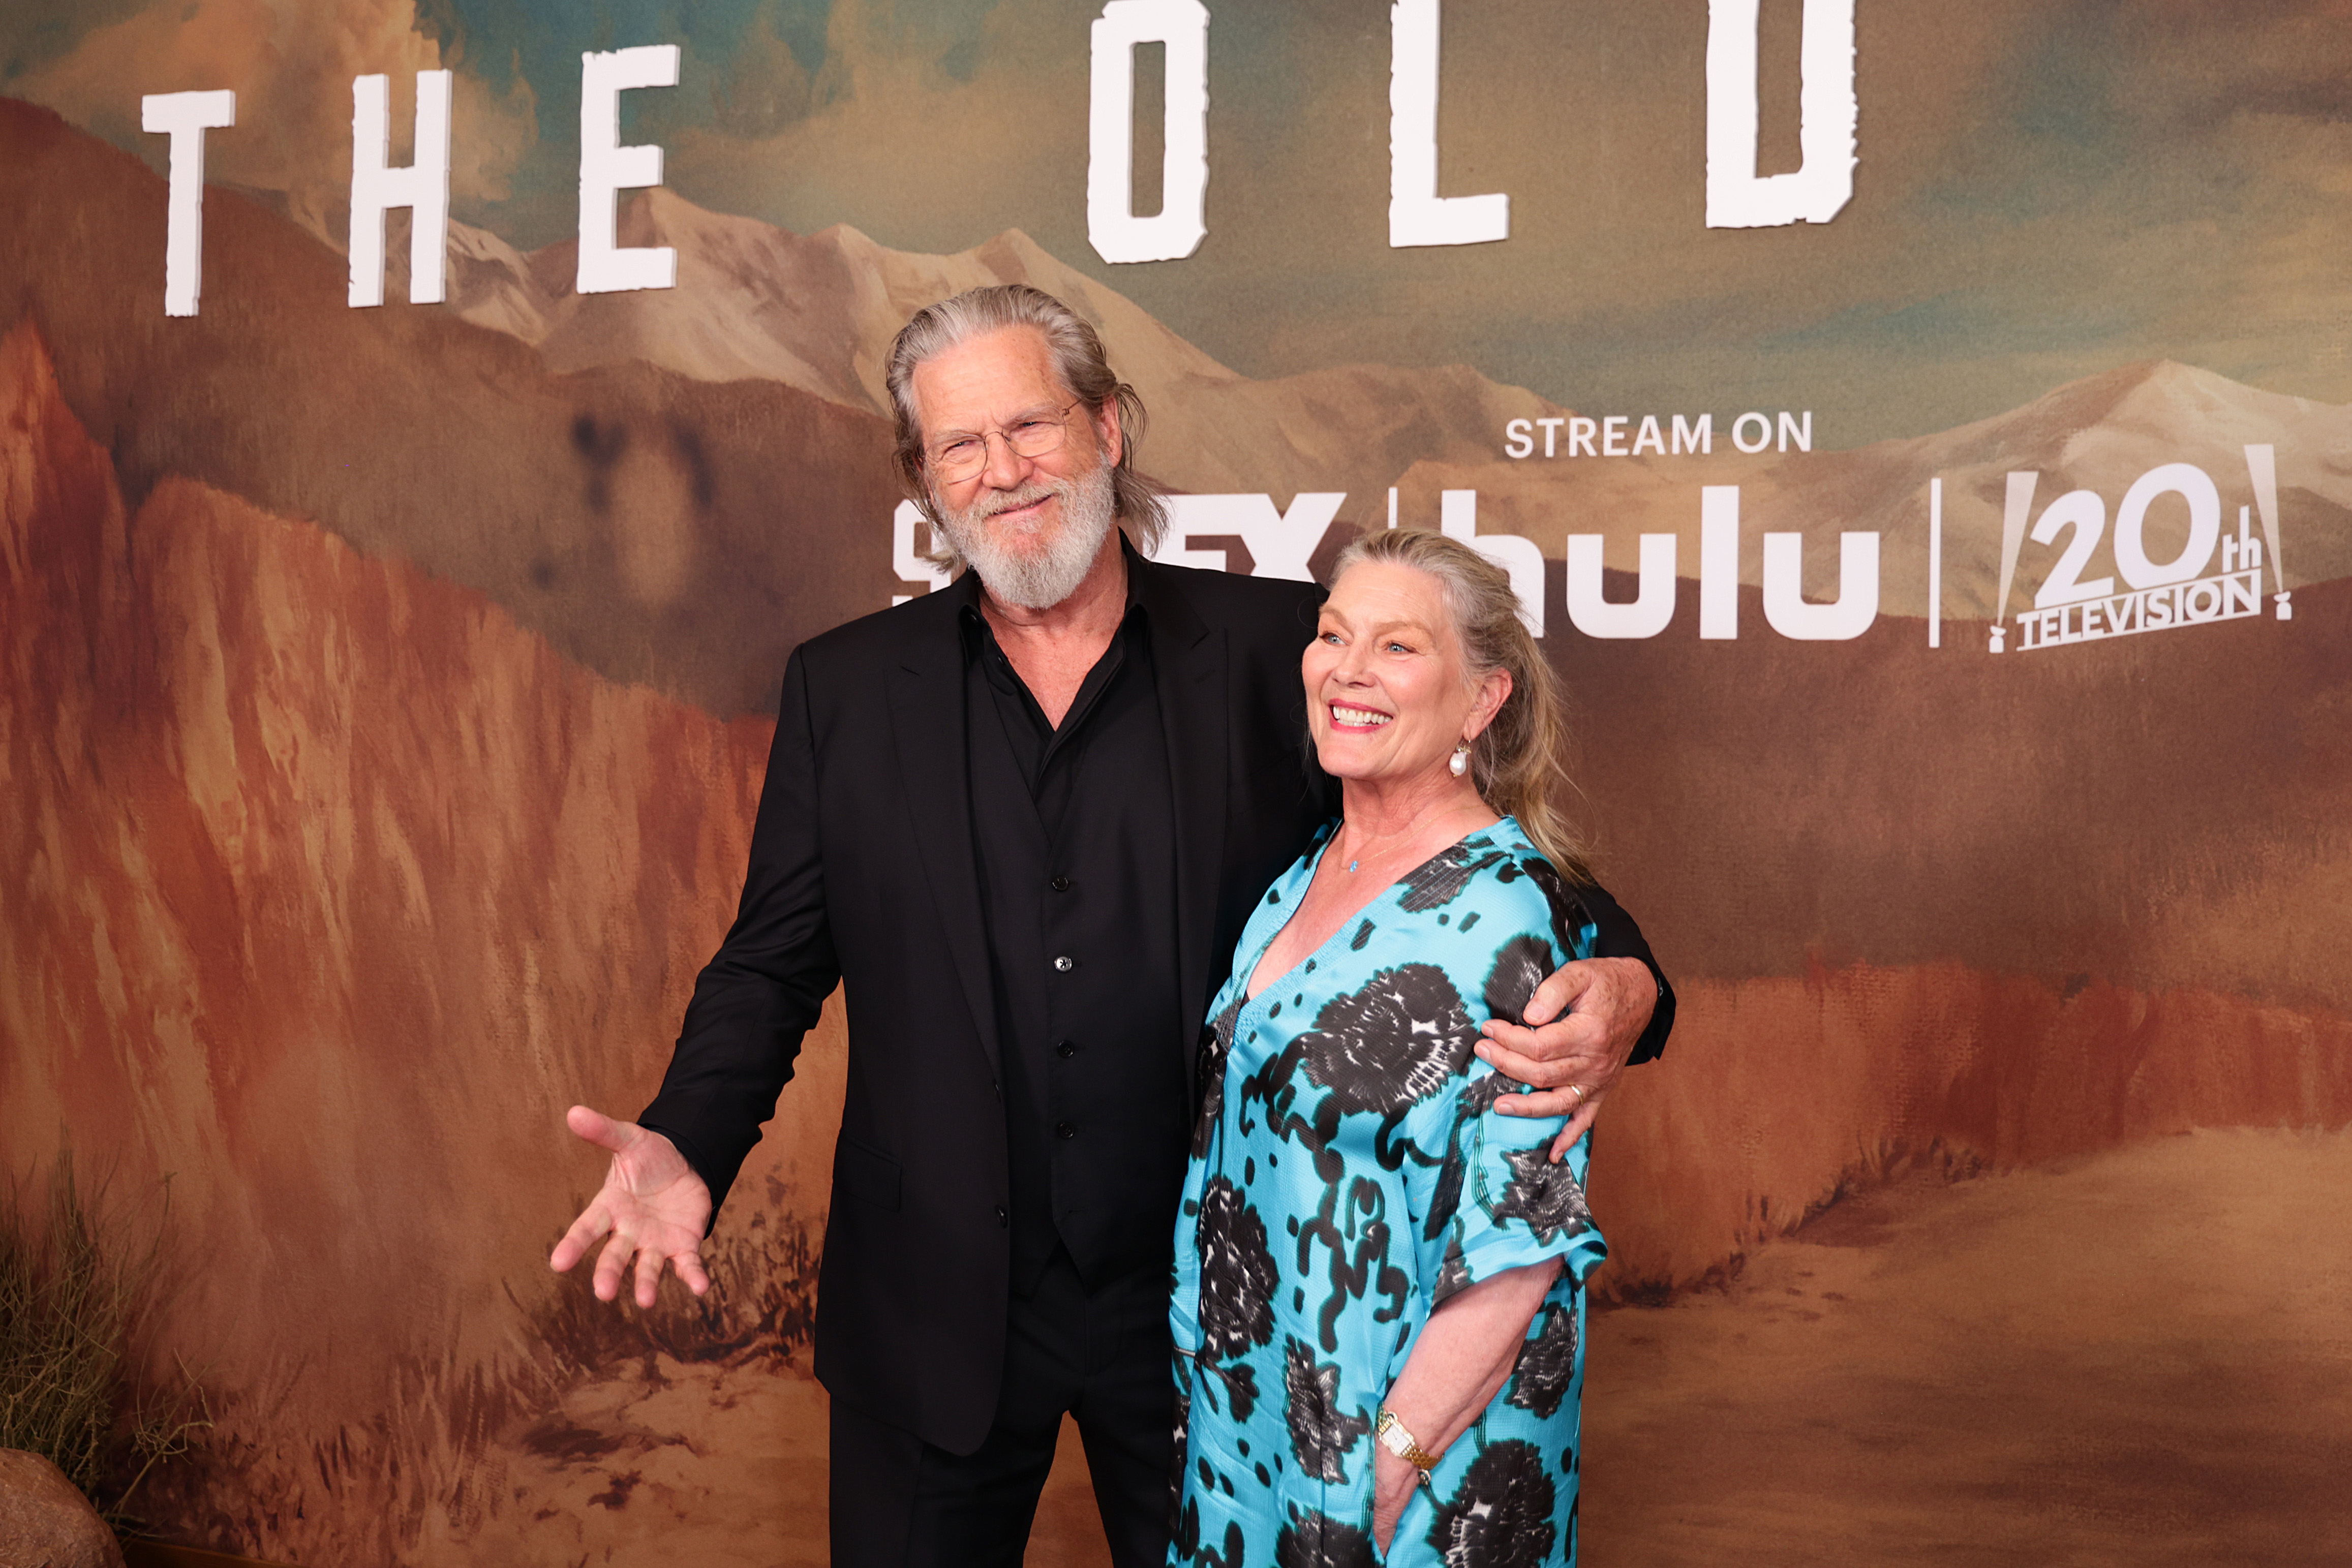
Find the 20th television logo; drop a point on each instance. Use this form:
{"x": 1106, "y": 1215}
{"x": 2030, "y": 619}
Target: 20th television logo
{"x": 2159, "y": 596}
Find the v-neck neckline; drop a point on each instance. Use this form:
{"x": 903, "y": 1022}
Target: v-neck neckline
{"x": 1249, "y": 996}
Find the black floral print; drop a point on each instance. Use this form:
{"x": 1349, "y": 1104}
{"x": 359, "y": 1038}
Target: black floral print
{"x": 1522, "y": 964}
{"x": 1547, "y": 1365}
{"x": 1397, "y": 1041}
{"x": 1238, "y": 1277}
{"x": 1439, "y": 880}
{"x": 1500, "y": 1516}
{"x": 1568, "y": 919}
{"x": 1316, "y": 1540}
{"x": 1455, "y": 1274}
{"x": 1208, "y": 1073}
{"x": 1320, "y": 1432}
{"x": 1547, "y": 1196}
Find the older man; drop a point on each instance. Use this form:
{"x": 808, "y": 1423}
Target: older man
{"x": 1021, "y": 821}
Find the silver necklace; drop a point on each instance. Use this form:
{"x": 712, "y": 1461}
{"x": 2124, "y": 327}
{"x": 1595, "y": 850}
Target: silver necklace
{"x": 1359, "y": 857}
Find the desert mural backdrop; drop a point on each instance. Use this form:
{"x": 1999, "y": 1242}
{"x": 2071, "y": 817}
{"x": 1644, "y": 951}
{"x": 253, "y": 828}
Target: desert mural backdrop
{"x": 1953, "y": 580}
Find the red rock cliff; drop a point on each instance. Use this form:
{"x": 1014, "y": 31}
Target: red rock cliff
{"x": 326, "y": 888}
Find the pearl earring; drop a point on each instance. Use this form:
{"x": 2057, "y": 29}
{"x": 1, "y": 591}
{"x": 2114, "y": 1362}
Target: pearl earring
{"x": 1460, "y": 763}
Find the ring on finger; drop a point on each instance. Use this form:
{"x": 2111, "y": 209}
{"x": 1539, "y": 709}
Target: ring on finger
{"x": 1577, "y": 1090}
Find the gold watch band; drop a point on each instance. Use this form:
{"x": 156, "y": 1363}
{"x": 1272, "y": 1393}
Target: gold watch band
{"x": 1391, "y": 1435}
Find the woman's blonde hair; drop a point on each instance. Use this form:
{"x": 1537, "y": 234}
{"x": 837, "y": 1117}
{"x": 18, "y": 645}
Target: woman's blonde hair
{"x": 1519, "y": 761}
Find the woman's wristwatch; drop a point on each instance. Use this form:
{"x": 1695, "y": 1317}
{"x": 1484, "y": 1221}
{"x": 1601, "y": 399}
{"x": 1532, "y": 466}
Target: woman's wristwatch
{"x": 1391, "y": 1435}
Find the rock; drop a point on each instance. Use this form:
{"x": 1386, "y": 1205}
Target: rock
{"x": 45, "y": 1522}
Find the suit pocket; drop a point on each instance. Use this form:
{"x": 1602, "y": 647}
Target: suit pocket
{"x": 866, "y": 1174}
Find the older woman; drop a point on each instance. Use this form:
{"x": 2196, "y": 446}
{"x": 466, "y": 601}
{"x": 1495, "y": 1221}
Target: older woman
{"x": 1377, "y": 1314}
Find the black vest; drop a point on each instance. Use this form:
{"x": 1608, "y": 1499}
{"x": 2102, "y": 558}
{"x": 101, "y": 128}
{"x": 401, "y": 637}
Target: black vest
{"x": 1077, "y": 849}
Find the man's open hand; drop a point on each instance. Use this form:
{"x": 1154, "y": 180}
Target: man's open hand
{"x": 652, "y": 1204}
{"x": 1572, "y": 1060}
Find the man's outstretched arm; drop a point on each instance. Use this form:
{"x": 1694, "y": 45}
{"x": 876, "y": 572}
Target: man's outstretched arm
{"x": 1619, "y": 1010}
{"x": 752, "y": 1004}
{"x": 766, "y": 985}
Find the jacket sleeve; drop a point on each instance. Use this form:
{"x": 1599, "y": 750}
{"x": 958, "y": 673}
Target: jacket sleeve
{"x": 766, "y": 985}
{"x": 1618, "y": 937}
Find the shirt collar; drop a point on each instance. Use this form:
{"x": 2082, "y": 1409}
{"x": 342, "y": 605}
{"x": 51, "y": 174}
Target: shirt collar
{"x": 978, "y": 635}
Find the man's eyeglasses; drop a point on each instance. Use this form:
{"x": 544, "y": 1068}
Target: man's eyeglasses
{"x": 960, "y": 457}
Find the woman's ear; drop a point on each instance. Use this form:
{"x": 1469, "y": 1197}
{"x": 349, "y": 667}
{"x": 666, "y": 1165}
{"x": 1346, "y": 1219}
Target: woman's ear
{"x": 1493, "y": 693}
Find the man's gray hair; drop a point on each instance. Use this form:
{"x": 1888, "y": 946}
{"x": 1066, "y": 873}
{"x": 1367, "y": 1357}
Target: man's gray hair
{"x": 1078, "y": 363}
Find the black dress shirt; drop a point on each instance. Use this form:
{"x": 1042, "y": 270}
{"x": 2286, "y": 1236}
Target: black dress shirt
{"x": 1074, "y": 828}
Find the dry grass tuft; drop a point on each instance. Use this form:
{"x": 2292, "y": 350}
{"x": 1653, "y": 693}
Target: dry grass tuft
{"x": 79, "y": 1282}
{"x": 762, "y": 1304}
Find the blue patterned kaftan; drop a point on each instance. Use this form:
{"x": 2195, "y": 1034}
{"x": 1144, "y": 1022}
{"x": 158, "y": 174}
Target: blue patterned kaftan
{"x": 1347, "y": 1174}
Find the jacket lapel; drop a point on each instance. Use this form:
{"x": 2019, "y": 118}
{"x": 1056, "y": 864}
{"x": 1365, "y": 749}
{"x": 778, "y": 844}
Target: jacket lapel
{"x": 1189, "y": 660}
{"x": 928, "y": 725}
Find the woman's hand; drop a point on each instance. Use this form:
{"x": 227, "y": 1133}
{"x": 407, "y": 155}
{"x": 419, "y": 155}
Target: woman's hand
{"x": 1463, "y": 1358}
{"x": 1392, "y": 1484}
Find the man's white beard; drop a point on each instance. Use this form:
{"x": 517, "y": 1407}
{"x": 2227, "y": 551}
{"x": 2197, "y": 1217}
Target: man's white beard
{"x": 1042, "y": 578}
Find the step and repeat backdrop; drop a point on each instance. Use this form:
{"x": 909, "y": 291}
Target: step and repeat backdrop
{"x": 1919, "y": 433}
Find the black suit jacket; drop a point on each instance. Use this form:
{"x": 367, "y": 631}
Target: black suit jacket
{"x": 863, "y": 872}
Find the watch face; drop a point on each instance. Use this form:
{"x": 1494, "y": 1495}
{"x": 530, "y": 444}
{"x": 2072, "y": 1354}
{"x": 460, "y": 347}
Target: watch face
{"x": 1391, "y": 1435}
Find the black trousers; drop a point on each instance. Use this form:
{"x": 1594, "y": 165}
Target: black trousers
{"x": 1102, "y": 1357}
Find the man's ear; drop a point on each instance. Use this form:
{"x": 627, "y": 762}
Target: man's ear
{"x": 1108, "y": 433}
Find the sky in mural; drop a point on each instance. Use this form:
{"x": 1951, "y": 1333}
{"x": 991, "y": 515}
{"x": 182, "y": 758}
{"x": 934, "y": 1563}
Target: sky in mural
{"x": 2046, "y": 189}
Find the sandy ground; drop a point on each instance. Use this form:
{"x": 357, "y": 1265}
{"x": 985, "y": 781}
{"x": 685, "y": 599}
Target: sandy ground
{"x": 607, "y": 1479}
{"x": 2143, "y": 1357}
